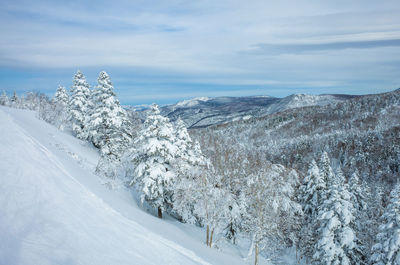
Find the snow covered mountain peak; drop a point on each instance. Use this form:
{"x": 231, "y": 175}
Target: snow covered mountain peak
{"x": 304, "y": 100}
{"x": 191, "y": 102}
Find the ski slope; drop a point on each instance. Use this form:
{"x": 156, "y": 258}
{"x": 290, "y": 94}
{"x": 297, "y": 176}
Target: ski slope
{"x": 53, "y": 210}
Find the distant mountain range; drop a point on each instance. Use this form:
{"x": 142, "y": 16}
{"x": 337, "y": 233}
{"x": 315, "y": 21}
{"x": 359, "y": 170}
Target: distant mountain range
{"x": 204, "y": 111}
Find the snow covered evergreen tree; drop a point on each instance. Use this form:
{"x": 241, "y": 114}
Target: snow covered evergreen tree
{"x": 107, "y": 122}
{"x": 387, "y": 249}
{"x": 78, "y": 105}
{"x": 362, "y": 225}
{"x": 312, "y": 194}
{"x": 357, "y": 192}
{"x": 326, "y": 171}
{"x": 61, "y": 97}
{"x": 312, "y": 190}
{"x": 337, "y": 242}
{"x": 152, "y": 157}
{"x": 4, "y": 101}
{"x": 188, "y": 153}
{"x": 189, "y": 160}
{"x": 370, "y": 224}
{"x": 60, "y": 101}
{"x": 91, "y": 104}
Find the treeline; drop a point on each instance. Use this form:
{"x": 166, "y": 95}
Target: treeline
{"x": 32, "y": 100}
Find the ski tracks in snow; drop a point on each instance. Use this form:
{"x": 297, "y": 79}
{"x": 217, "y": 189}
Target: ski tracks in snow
{"x": 83, "y": 163}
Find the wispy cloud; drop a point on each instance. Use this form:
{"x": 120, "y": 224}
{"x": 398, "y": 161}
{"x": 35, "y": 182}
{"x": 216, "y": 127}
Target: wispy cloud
{"x": 204, "y": 44}
{"x": 311, "y": 47}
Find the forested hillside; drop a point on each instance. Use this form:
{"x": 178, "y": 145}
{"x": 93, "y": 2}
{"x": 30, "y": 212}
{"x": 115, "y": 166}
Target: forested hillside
{"x": 361, "y": 134}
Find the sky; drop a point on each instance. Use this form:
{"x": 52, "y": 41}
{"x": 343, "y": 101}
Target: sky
{"x": 166, "y": 51}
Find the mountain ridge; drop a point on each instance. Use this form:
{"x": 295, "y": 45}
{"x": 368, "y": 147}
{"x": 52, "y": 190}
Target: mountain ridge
{"x": 206, "y": 111}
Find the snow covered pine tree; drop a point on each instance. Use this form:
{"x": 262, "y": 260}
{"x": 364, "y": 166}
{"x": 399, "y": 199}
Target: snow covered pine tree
{"x": 152, "y": 157}
{"x": 78, "y": 105}
{"x": 337, "y": 242}
{"x": 311, "y": 196}
{"x": 387, "y": 249}
{"x": 105, "y": 124}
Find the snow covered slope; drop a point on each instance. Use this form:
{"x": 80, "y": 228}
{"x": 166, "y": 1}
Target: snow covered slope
{"x": 53, "y": 210}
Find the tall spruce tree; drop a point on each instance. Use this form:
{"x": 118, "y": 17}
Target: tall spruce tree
{"x": 337, "y": 241}
{"x": 311, "y": 195}
{"x": 105, "y": 126}
{"x": 153, "y": 156}
{"x": 78, "y": 105}
{"x": 362, "y": 225}
{"x": 357, "y": 192}
{"x": 325, "y": 168}
{"x": 387, "y": 249}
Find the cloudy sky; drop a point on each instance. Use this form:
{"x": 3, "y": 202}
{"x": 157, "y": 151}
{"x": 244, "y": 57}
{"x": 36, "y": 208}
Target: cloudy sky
{"x": 165, "y": 51}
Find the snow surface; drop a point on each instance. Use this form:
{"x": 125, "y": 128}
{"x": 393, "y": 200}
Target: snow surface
{"x": 53, "y": 210}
